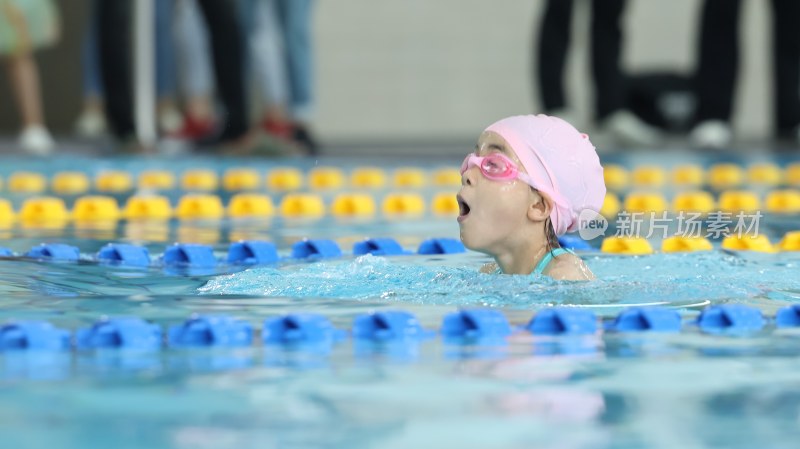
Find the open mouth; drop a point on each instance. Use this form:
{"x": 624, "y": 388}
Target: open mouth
{"x": 463, "y": 208}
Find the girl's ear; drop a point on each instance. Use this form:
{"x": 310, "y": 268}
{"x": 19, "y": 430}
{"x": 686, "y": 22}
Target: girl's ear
{"x": 540, "y": 207}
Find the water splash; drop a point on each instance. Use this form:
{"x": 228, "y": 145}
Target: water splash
{"x": 675, "y": 279}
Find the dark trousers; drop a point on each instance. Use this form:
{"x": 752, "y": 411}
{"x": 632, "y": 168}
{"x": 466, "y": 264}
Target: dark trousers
{"x": 114, "y": 20}
{"x": 606, "y": 36}
{"x": 227, "y": 47}
{"x": 717, "y": 69}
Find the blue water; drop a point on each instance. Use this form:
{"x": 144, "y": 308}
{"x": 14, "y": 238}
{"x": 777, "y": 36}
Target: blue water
{"x": 678, "y": 280}
{"x": 687, "y": 390}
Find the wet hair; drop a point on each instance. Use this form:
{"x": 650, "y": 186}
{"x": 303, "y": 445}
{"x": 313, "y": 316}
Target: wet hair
{"x": 550, "y": 233}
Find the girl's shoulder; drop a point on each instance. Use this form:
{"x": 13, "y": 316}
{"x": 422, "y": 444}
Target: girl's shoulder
{"x": 489, "y": 268}
{"x": 569, "y": 267}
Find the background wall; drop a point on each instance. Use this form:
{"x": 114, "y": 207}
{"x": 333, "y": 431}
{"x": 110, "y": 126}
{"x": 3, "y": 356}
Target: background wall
{"x": 444, "y": 69}
{"x": 450, "y": 67}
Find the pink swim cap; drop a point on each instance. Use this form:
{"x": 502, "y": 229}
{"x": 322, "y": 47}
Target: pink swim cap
{"x": 561, "y": 161}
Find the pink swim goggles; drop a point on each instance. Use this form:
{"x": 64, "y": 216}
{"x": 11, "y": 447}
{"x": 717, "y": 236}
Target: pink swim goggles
{"x": 497, "y": 167}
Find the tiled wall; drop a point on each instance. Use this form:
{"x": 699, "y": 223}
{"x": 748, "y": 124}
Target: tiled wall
{"x": 444, "y": 68}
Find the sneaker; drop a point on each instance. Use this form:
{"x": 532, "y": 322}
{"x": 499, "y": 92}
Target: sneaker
{"x": 714, "y": 134}
{"x": 276, "y": 128}
{"x": 230, "y": 135}
{"x": 36, "y": 140}
{"x": 305, "y": 140}
{"x": 628, "y": 129}
{"x": 91, "y": 125}
{"x": 195, "y": 129}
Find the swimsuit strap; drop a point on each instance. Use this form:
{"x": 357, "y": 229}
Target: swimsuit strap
{"x": 545, "y": 260}
{"x": 548, "y": 257}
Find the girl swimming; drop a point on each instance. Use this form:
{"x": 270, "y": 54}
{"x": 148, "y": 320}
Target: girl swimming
{"x": 527, "y": 182}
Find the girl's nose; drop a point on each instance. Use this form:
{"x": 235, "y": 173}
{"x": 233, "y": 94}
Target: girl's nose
{"x": 466, "y": 177}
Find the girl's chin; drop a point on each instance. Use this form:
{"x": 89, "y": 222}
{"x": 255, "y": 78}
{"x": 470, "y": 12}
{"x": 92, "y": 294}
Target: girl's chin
{"x": 471, "y": 244}
{"x": 467, "y": 241}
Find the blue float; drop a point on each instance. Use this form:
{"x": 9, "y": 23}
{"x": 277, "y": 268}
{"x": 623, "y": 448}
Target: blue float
{"x": 390, "y": 325}
{"x": 189, "y": 255}
{"x": 5, "y": 252}
{"x": 55, "y": 252}
{"x": 441, "y": 246}
{"x": 788, "y": 316}
{"x": 475, "y": 324}
{"x": 300, "y": 329}
{"x": 252, "y": 252}
{"x": 730, "y": 318}
{"x": 315, "y": 249}
{"x": 378, "y": 247}
{"x": 122, "y": 333}
{"x": 33, "y": 336}
{"x": 574, "y": 242}
{"x": 652, "y": 319}
{"x": 563, "y": 321}
{"x": 124, "y": 254}
{"x": 211, "y": 330}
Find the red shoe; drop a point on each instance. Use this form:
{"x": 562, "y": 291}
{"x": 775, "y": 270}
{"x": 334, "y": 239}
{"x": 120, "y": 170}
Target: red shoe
{"x": 280, "y": 129}
{"x": 195, "y": 129}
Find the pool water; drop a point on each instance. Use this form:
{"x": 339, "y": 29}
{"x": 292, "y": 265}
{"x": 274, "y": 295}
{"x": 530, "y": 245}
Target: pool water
{"x": 689, "y": 389}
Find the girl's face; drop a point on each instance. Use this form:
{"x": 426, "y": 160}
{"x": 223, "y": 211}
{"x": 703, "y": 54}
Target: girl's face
{"x": 493, "y": 213}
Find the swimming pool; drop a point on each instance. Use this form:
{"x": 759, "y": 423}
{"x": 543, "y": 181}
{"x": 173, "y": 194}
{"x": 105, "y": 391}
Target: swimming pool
{"x": 690, "y": 388}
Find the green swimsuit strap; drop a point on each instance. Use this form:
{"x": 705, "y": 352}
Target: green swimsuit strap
{"x": 548, "y": 257}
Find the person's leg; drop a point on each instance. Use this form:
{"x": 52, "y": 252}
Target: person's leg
{"x": 270, "y": 56}
{"x": 169, "y": 119}
{"x": 554, "y": 39}
{"x": 193, "y": 48}
{"x": 296, "y": 18}
{"x": 609, "y": 82}
{"x": 718, "y": 63}
{"x": 114, "y": 36}
{"x": 716, "y": 73}
{"x": 786, "y": 66}
{"x": 196, "y": 79}
{"x": 227, "y": 48}
{"x": 91, "y": 122}
{"x": 249, "y": 22}
{"x": 191, "y": 37}
{"x": 269, "y": 62}
{"x": 92, "y": 85}
{"x": 165, "y": 48}
{"x": 24, "y": 76}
